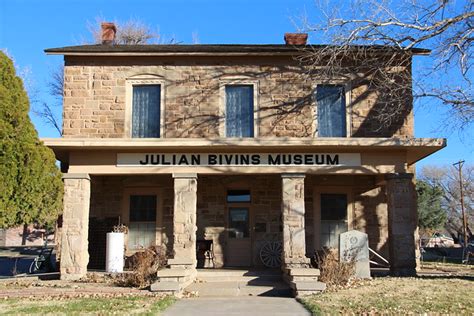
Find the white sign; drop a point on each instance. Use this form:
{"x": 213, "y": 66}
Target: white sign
{"x": 237, "y": 160}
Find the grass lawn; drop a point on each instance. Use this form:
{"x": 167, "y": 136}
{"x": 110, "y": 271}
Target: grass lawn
{"x": 439, "y": 295}
{"x": 143, "y": 305}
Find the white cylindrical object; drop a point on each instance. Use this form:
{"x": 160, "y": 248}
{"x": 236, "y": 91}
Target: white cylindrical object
{"x": 114, "y": 260}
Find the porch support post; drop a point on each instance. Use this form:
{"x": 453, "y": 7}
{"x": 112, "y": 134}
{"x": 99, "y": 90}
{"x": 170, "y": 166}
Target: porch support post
{"x": 181, "y": 270}
{"x": 74, "y": 254}
{"x": 402, "y": 223}
{"x": 296, "y": 266}
{"x": 293, "y": 209}
{"x": 184, "y": 219}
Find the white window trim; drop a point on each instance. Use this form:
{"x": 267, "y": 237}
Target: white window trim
{"x": 143, "y": 80}
{"x": 222, "y": 103}
{"x": 317, "y": 191}
{"x": 348, "y": 98}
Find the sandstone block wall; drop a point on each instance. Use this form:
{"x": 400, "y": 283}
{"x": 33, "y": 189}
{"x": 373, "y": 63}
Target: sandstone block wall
{"x": 265, "y": 205}
{"x": 107, "y": 199}
{"x": 95, "y": 97}
{"x": 370, "y": 213}
{"x": 369, "y": 208}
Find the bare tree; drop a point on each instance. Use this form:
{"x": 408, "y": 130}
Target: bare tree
{"x": 131, "y": 32}
{"x": 447, "y": 178}
{"x": 47, "y": 111}
{"x": 444, "y": 26}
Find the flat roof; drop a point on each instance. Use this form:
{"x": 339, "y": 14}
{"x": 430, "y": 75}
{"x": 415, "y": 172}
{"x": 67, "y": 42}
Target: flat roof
{"x": 206, "y": 49}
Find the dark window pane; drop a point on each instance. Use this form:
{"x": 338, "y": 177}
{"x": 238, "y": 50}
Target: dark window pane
{"x": 333, "y": 207}
{"x": 238, "y": 222}
{"x": 238, "y": 196}
{"x": 146, "y": 111}
{"x": 239, "y": 111}
{"x": 331, "y": 111}
{"x": 142, "y": 208}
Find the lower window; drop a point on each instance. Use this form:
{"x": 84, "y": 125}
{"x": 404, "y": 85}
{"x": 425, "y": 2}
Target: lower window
{"x": 142, "y": 221}
{"x": 333, "y": 219}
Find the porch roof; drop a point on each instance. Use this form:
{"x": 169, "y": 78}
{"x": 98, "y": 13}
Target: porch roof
{"x": 415, "y": 148}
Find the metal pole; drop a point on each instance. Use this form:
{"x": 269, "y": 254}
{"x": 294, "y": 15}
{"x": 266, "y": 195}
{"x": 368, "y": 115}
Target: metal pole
{"x": 461, "y": 192}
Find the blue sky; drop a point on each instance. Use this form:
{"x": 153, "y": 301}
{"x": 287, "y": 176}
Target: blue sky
{"x": 27, "y": 27}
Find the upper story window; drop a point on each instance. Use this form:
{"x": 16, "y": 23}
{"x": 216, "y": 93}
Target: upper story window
{"x": 146, "y": 108}
{"x": 239, "y": 110}
{"x": 331, "y": 108}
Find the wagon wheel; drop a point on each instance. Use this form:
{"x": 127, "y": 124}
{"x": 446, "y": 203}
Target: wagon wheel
{"x": 270, "y": 254}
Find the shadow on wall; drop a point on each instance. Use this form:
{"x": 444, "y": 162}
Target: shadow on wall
{"x": 372, "y": 218}
{"x": 285, "y": 97}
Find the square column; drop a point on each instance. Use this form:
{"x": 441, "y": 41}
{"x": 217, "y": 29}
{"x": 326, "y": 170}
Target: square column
{"x": 293, "y": 209}
{"x": 74, "y": 234}
{"x": 181, "y": 270}
{"x": 402, "y": 223}
{"x": 298, "y": 273}
{"x": 184, "y": 218}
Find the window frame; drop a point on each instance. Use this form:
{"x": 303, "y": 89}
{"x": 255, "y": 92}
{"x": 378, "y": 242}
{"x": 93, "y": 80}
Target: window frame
{"x": 223, "y": 104}
{"x": 347, "y": 94}
{"x": 125, "y": 215}
{"x": 317, "y": 191}
{"x": 142, "y": 80}
{"x": 239, "y": 186}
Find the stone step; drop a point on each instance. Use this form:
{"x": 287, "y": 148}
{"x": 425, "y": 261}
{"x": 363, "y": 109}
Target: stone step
{"x": 232, "y": 288}
{"x": 243, "y": 279}
{"x": 237, "y": 272}
{"x": 247, "y": 276}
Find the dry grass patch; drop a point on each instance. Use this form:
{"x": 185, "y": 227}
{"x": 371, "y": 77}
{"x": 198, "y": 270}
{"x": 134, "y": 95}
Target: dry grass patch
{"x": 142, "y": 305}
{"x": 395, "y": 296}
{"x": 334, "y": 273}
{"x": 144, "y": 265}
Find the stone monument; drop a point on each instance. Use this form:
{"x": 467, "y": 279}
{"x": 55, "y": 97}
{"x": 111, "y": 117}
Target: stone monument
{"x": 354, "y": 245}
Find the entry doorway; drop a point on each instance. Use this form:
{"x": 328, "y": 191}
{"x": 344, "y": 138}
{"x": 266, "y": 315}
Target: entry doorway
{"x": 239, "y": 232}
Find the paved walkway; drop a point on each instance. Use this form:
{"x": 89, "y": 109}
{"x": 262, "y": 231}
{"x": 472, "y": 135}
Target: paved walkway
{"x": 225, "y": 306}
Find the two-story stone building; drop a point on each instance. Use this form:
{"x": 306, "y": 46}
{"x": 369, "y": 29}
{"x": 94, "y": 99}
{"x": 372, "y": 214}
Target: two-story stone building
{"x": 232, "y": 144}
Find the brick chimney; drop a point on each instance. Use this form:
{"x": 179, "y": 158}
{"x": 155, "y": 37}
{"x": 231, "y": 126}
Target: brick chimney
{"x": 296, "y": 38}
{"x": 108, "y": 33}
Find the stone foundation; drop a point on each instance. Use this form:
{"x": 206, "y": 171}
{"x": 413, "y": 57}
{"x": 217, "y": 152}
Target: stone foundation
{"x": 304, "y": 281}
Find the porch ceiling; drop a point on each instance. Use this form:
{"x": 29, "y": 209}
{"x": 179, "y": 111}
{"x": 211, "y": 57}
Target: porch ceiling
{"x": 415, "y": 148}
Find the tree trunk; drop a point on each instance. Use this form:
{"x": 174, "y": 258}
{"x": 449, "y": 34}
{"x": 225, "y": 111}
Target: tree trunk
{"x": 24, "y": 235}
